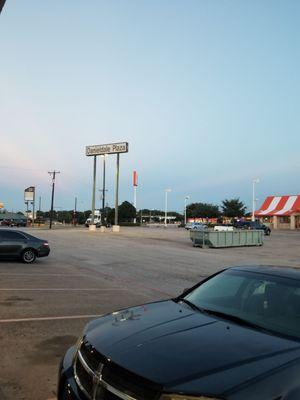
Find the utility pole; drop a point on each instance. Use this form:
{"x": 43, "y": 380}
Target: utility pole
{"x": 53, "y": 174}
{"x": 40, "y": 205}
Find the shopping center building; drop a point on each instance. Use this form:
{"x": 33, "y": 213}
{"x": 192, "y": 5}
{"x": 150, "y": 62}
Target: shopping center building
{"x": 281, "y": 212}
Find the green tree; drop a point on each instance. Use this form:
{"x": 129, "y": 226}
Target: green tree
{"x": 127, "y": 212}
{"x": 233, "y": 208}
{"x": 202, "y": 210}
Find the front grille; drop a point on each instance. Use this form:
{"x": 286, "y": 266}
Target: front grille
{"x": 114, "y": 382}
{"x": 91, "y": 356}
{"x": 84, "y": 379}
{"x": 130, "y": 383}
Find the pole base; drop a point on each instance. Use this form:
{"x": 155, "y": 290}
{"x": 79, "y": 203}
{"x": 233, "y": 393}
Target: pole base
{"x": 116, "y": 228}
{"x": 92, "y": 228}
{"x": 102, "y": 228}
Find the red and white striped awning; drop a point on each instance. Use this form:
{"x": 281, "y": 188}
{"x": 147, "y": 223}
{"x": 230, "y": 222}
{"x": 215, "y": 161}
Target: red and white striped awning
{"x": 279, "y": 205}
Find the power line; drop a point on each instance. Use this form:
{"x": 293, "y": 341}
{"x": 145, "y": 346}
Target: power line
{"x": 53, "y": 173}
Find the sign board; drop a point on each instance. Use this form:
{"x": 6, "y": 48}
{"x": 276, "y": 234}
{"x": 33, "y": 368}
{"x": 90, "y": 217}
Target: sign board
{"x": 101, "y": 149}
{"x": 29, "y": 193}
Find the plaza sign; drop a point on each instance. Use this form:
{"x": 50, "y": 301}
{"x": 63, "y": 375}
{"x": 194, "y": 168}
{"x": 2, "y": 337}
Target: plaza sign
{"x": 101, "y": 149}
{"x": 29, "y": 194}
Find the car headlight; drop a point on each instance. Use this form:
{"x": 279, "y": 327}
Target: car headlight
{"x": 184, "y": 397}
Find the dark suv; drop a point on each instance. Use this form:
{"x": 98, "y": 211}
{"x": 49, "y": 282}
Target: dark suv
{"x": 252, "y": 225}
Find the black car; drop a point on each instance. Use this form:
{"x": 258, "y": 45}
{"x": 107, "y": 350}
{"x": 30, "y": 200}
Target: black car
{"x": 20, "y": 245}
{"x": 252, "y": 225}
{"x": 234, "y": 336}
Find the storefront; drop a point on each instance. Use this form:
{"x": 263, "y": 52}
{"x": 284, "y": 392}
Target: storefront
{"x": 281, "y": 212}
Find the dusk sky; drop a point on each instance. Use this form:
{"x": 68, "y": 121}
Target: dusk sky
{"x": 205, "y": 92}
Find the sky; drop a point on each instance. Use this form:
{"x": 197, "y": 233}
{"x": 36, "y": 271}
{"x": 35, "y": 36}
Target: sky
{"x": 206, "y": 93}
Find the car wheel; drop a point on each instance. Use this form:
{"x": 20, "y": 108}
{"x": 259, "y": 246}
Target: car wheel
{"x": 28, "y": 256}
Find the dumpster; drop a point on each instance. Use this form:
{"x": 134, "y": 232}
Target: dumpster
{"x": 235, "y": 238}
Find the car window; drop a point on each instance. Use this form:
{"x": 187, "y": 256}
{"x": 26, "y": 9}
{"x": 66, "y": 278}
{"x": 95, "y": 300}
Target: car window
{"x": 270, "y": 302}
{"x": 10, "y": 235}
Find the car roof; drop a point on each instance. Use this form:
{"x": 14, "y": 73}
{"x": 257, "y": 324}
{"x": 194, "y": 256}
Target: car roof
{"x": 282, "y": 271}
{"x": 17, "y": 231}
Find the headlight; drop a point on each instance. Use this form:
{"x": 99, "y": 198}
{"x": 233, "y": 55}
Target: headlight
{"x": 183, "y": 397}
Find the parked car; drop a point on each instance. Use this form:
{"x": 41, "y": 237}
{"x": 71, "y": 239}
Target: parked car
{"x": 195, "y": 225}
{"x": 20, "y": 245}
{"x": 252, "y": 225}
{"x": 233, "y": 336}
{"x": 12, "y": 222}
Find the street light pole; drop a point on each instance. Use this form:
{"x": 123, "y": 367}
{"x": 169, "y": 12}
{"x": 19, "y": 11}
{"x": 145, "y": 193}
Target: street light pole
{"x": 185, "y": 200}
{"x": 166, "y": 205}
{"x": 254, "y": 181}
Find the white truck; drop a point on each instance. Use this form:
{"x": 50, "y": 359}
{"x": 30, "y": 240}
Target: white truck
{"x": 97, "y": 219}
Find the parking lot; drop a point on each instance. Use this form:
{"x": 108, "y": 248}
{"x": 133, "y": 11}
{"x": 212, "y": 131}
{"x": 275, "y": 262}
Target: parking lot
{"x": 44, "y": 306}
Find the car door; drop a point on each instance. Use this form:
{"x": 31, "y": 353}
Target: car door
{"x": 11, "y": 243}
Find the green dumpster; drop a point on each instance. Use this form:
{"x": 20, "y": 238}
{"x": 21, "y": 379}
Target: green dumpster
{"x": 236, "y": 238}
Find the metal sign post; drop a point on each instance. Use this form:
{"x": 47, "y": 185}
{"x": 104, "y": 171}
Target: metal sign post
{"x": 117, "y": 192}
{"x": 29, "y": 197}
{"x": 94, "y": 193}
{"x": 103, "y": 150}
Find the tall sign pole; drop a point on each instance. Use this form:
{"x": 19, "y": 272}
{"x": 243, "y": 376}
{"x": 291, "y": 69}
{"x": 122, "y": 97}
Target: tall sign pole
{"x": 135, "y": 183}
{"x": 94, "y": 193}
{"x": 29, "y": 197}
{"x": 103, "y": 185}
{"x": 102, "y": 150}
{"x": 117, "y": 192}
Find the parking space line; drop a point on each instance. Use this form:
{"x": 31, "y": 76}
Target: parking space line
{"x": 36, "y": 274}
{"x": 62, "y": 289}
{"x": 37, "y": 319}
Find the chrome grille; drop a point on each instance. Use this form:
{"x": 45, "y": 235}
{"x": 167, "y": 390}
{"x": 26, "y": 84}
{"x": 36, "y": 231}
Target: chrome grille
{"x": 99, "y": 379}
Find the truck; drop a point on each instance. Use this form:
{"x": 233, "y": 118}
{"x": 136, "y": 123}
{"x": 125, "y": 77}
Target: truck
{"x": 97, "y": 219}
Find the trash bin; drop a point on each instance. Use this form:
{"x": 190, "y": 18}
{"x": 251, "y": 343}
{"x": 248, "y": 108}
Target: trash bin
{"x": 235, "y": 238}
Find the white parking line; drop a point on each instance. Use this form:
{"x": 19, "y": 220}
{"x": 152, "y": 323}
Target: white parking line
{"x": 37, "y": 319}
{"x": 36, "y": 274}
{"x": 60, "y": 289}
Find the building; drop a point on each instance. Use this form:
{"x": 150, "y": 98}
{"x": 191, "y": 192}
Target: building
{"x": 17, "y": 218}
{"x": 281, "y": 212}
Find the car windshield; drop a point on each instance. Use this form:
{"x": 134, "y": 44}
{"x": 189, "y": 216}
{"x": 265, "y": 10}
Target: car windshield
{"x": 265, "y": 301}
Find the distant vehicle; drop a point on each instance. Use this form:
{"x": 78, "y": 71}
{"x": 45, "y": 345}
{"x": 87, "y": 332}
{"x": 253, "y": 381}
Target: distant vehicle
{"x": 11, "y": 222}
{"x": 223, "y": 228}
{"x": 97, "y": 219}
{"x": 20, "y": 245}
{"x": 233, "y": 336}
{"x": 195, "y": 226}
{"x": 252, "y": 225}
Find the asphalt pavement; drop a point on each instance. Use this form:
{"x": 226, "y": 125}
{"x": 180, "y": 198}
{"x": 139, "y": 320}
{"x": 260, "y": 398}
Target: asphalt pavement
{"x": 44, "y": 306}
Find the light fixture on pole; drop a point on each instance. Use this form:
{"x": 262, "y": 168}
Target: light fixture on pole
{"x": 166, "y": 205}
{"x": 185, "y": 201}
{"x": 254, "y": 181}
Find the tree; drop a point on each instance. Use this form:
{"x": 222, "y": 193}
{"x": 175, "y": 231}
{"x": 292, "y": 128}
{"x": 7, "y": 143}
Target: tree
{"x": 233, "y": 208}
{"x": 202, "y": 210}
{"x": 127, "y": 212}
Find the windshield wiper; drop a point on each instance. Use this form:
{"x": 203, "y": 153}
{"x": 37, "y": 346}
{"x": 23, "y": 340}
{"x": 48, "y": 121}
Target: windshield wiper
{"x": 234, "y": 318}
{"x": 192, "y": 305}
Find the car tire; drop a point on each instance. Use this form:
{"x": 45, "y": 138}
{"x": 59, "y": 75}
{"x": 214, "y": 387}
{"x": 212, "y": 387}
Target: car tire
{"x": 28, "y": 256}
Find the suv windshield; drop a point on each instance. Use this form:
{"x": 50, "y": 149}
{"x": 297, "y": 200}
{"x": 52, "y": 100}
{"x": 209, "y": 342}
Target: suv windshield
{"x": 268, "y": 302}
